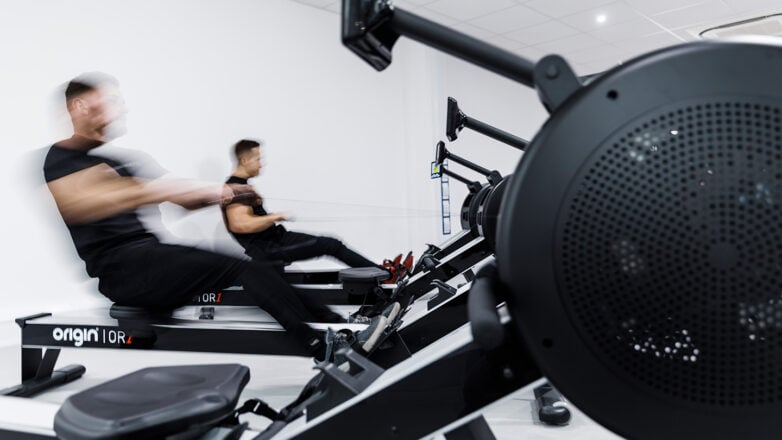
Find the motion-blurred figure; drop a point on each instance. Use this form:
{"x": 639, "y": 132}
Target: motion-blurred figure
{"x": 259, "y": 232}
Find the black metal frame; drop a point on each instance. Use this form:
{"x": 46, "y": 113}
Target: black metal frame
{"x": 228, "y": 297}
{"x": 427, "y": 398}
{"x": 40, "y": 349}
{"x": 314, "y": 277}
{"x": 454, "y": 266}
{"x": 493, "y": 176}
{"x": 477, "y": 195}
{"x": 370, "y": 28}
{"x": 472, "y": 185}
{"x": 405, "y": 292}
{"x": 38, "y": 373}
{"x": 456, "y": 120}
{"x": 431, "y": 257}
{"x": 333, "y": 293}
{"x": 452, "y": 387}
{"x": 485, "y": 368}
{"x": 475, "y": 429}
{"x": 169, "y": 334}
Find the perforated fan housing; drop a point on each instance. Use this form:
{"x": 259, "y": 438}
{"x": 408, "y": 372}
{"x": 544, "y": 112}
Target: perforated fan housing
{"x": 641, "y": 240}
{"x": 668, "y": 255}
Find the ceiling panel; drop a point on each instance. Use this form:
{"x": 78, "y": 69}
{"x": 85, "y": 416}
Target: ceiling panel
{"x": 659, "y": 6}
{"x": 550, "y": 30}
{"x": 531, "y": 52}
{"x": 687, "y": 34}
{"x": 469, "y": 9}
{"x": 700, "y": 13}
{"x": 556, "y": 9}
{"x": 436, "y": 16}
{"x": 538, "y": 27}
{"x": 628, "y": 29}
{"x": 605, "y": 52}
{"x": 770, "y": 6}
{"x": 646, "y": 43}
{"x": 510, "y": 19}
{"x": 580, "y": 41}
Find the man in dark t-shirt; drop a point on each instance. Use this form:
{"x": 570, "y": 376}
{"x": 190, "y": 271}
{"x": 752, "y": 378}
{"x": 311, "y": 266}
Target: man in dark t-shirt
{"x": 98, "y": 196}
{"x": 260, "y": 234}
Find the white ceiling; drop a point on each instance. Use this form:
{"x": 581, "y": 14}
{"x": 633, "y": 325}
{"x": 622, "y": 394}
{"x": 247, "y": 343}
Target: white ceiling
{"x": 533, "y": 28}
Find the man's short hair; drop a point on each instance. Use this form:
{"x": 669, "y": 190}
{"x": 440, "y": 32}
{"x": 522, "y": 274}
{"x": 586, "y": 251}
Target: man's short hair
{"x": 87, "y": 82}
{"x": 245, "y": 146}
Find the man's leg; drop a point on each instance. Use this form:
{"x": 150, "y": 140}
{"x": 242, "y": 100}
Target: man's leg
{"x": 318, "y": 308}
{"x": 168, "y": 276}
{"x": 295, "y": 246}
{"x": 274, "y": 290}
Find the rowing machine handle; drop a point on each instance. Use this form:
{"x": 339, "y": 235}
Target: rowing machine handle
{"x": 485, "y": 323}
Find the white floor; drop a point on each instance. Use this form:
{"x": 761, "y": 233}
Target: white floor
{"x": 278, "y": 380}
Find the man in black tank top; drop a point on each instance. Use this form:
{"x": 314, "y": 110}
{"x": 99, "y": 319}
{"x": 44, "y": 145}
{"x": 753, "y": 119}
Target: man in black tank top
{"x": 259, "y": 232}
{"x": 98, "y": 196}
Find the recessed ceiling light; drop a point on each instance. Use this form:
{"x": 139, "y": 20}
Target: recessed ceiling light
{"x": 601, "y": 18}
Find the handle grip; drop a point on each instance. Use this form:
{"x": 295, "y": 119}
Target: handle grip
{"x": 482, "y": 309}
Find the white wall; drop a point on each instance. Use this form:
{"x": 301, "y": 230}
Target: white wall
{"x": 348, "y": 148}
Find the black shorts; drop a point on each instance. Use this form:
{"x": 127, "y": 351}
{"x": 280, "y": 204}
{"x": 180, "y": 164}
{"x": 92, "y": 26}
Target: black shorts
{"x": 156, "y": 275}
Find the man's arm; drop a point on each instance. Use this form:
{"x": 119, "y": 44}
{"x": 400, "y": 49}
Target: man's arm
{"x": 241, "y": 220}
{"x": 98, "y": 192}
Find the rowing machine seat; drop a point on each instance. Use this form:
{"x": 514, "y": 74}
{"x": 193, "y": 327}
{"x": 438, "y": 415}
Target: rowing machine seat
{"x": 362, "y": 284}
{"x": 154, "y": 403}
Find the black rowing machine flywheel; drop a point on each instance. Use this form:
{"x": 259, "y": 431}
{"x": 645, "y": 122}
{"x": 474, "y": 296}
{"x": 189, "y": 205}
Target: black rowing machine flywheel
{"x": 641, "y": 244}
